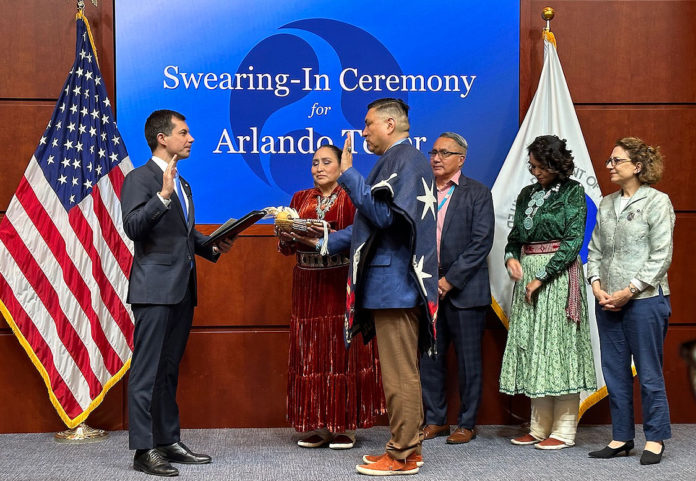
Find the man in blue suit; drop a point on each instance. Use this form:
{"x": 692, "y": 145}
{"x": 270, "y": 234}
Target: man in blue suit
{"x": 465, "y": 225}
{"x": 158, "y": 216}
{"x": 392, "y": 285}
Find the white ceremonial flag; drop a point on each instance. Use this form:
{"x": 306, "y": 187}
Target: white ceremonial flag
{"x": 550, "y": 113}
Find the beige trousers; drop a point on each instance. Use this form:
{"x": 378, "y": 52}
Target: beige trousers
{"x": 555, "y": 417}
{"x": 397, "y": 343}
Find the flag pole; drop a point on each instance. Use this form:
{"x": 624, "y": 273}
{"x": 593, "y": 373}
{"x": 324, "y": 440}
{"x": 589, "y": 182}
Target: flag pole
{"x": 82, "y": 433}
{"x": 547, "y": 13}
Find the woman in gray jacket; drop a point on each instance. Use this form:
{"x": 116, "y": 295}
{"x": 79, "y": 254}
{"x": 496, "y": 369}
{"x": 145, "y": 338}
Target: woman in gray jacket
{"x": 629, "y": 254}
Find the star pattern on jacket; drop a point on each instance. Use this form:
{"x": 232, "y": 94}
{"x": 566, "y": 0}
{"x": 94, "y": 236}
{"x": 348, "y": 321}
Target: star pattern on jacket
{"x": 428, "y": 199}
{"x": 420, "y": 274}
{"x": 385, "y": 183}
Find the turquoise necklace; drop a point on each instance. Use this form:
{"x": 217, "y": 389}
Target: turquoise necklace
{"x": 537, "y": 200}
{"x": 324, "y": 204}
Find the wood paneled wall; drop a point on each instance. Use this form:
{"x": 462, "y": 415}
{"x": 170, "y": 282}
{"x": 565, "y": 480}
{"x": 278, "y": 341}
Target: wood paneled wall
{"x": 630, "y": 69}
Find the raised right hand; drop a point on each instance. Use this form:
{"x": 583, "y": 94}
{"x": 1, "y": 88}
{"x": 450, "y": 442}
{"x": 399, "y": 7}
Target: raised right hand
{"x": 168, "y": 178}
{"x": 347, "y": 156}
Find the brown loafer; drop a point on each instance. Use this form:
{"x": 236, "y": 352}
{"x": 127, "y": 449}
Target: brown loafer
{"x": 461, "y": 436}
{"x": 431, "y": 431}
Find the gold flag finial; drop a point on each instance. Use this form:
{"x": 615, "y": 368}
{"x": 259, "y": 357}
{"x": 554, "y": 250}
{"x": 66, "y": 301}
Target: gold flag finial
{"x": 547, "y": 13}
{"x": 81, "y": 4}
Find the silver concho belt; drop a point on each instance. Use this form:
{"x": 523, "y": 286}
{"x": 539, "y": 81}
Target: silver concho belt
{"x": 314, "y": 260}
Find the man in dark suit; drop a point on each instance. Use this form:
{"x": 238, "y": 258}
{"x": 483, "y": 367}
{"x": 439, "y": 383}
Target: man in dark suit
{"x": 158, "y": 216}
{"x": 465, "y": 226}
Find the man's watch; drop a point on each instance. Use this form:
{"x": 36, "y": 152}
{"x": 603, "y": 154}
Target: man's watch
{"x": 634, "y": 290}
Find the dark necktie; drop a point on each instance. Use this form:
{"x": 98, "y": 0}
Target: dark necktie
{"x": 180, "y": 194}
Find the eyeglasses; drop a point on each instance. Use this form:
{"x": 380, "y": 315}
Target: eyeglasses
{"x": 614, "y": 161}
{"x": 443, "y": 153}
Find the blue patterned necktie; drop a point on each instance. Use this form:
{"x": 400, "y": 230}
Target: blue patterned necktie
{"x": 180, "y": 195}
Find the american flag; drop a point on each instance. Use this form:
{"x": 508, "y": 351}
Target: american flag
{"x": 64, "y": 258}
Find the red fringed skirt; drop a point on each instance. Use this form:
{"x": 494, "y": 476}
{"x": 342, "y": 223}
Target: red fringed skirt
{"x": 328, "y": 386}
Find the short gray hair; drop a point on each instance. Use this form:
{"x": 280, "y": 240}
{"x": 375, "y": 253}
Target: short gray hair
{"x": 457, "y": 138}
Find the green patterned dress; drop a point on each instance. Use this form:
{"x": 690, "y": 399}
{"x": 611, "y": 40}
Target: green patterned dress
{"x": 547, "y": 353}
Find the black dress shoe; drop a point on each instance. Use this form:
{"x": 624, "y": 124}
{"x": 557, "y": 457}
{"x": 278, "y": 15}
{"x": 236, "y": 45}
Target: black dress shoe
{"x": 152, "y": 462}
{"x": 606, "y": 452}
{"x": 648, "y": 457}
{"x": 179, "y": 453}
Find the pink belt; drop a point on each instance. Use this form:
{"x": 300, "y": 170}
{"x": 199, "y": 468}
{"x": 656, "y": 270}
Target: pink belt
{"x": 574, "y": 295}
{"x": 541, "y": 247}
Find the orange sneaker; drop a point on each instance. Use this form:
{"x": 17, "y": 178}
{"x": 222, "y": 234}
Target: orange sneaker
{"x": 413, "y": 458}
{"x": 388, "y": 466}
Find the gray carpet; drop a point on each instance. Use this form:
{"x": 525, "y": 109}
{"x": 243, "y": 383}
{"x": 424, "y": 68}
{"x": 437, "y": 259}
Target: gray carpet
{"x": 270, "y": 454}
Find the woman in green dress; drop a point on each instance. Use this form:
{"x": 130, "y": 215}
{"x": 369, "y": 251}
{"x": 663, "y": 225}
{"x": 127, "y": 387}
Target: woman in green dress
{"x": 548, "y": 356}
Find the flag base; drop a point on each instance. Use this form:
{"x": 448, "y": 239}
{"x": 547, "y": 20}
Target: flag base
{"x": 80, "y": 435}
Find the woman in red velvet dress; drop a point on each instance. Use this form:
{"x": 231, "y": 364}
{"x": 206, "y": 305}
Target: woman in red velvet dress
{"x": 331, "y": 391}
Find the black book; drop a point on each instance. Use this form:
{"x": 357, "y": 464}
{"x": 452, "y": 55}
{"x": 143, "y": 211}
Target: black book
{"x": 234, "y": 226}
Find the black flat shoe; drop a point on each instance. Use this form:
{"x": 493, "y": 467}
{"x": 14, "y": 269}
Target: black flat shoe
{"x": 152, "y": 462}
{"x": 180, "y": 453}
{"x": 606, "y": 452}
{"x": 648, "y": 457}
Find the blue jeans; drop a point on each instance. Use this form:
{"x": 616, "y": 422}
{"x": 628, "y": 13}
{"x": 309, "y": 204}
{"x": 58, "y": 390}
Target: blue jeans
{"x": 637, "y": 330}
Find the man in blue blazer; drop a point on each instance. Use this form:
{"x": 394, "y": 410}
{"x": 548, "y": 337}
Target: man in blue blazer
{"x": 465, "y": 225}
{"x": 392, "y": 288}
{"x": 158, "y": 216}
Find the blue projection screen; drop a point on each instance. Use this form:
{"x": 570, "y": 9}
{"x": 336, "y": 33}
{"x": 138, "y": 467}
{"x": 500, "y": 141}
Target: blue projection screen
{"x": 263, "y": 83}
